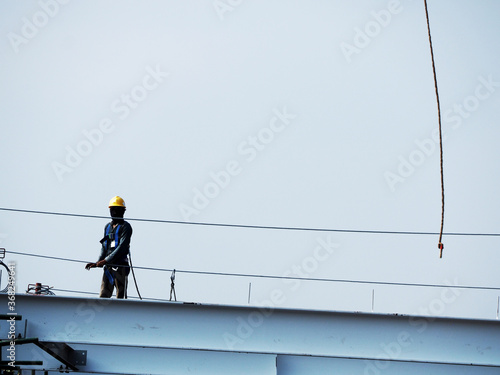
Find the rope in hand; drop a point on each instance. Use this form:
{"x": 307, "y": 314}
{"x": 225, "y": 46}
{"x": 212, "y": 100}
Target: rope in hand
{"x": 440, "y": 244}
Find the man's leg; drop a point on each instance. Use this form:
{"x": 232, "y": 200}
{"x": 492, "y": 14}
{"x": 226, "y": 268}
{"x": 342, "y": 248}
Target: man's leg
{"x": 121, "y": 281}
{"x": 106, "y": 287}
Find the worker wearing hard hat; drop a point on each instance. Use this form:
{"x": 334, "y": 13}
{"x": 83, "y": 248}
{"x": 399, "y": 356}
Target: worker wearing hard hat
{"x": 114, "y": 252}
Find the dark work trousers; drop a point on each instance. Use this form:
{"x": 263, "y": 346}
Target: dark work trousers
{"x": 114, "y": 277}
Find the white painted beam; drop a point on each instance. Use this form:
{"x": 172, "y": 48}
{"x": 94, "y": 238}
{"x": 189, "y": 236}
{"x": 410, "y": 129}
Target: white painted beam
{"x": 243, "y": 335}
{"x": 115, "y": 359}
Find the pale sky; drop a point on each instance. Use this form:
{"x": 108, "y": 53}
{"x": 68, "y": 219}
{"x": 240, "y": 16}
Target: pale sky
{"x": 317, "y": 114}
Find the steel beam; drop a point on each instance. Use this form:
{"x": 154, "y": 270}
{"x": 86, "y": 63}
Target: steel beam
{"x": 294, "y": 365}
{"x": 30, "y": 340}
{"x": 282, "y": 335}
{"x": 10, "y": 317}
{"x": 5, "y": 364}
{"x": 137, "y": 360}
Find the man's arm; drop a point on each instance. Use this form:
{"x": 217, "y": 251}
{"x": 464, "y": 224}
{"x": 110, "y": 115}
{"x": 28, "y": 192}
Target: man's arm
{"x": 99, "y": 262}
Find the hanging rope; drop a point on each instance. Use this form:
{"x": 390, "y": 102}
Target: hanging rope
{"x": 440, "y": 244}
{"x": 133, "y": 274}
{"x": 260, "y": 276}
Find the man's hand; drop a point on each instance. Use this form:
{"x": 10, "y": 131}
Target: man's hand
{"x": 101, "y": 263}
{"x": 90, "y": 265}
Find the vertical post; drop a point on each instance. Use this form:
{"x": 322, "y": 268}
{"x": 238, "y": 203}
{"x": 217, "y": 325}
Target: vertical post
{"x": 373, "y": 298}
{"x": 249, "y": 291}
{"x": 498, "y": 306}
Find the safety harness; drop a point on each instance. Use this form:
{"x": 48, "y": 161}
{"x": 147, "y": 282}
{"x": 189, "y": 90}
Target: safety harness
{"x": 105, "y": 242}
{"x": 109, "y": 236}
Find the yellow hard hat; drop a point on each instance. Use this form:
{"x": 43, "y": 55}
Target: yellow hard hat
{"x": 117, "y": 202}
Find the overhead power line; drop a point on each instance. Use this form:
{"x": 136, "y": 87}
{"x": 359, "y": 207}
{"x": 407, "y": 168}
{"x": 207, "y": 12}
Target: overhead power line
{"x": 249, "y": 226}
{"x": 248, "y": 275}
{"x": 97, "y": 294}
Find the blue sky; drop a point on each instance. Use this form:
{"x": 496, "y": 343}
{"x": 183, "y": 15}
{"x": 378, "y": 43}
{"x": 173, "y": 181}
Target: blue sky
{"x": 318, "y": 114}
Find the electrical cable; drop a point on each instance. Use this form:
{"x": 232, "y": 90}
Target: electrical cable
{"x": 74, "y": 291}
{"x": 96, "y": 294}
{"x": 227, "y": 274}
{"x": 440, "y": 244}
{"x": 247, "y": 226}
{"x": 84, "y": 261}
{"x": 4, "y": 290}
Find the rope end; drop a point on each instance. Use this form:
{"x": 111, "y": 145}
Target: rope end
{"x": 440, "y": 247}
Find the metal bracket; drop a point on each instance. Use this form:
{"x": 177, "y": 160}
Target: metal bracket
{"x": 64, "y": 353}
{"x": 59, "y": 350}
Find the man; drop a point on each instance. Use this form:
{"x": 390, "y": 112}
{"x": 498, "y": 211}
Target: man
{"x": 114, "y": 252}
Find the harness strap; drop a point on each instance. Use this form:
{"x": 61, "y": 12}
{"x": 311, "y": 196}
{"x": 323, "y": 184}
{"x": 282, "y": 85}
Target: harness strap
{"x": 108, "y": 227}
{"x": 107, "y": 234}
{"x": 116, "y": 234}
{"x": 109, "y": 275}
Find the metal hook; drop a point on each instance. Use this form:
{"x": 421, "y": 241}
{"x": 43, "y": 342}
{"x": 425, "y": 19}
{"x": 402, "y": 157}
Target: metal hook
{"x": 172, "y": 286}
